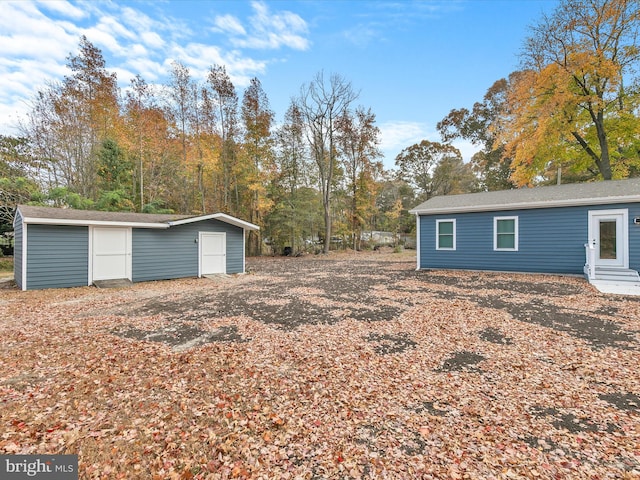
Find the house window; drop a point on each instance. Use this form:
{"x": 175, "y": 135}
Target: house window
{"x": 505, "y": 233}
{"x": 446, "y": 234}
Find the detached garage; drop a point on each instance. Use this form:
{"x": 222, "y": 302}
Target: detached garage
{"x": 57, "y": 247}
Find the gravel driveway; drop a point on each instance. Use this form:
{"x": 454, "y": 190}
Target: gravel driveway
{"x": 339, "y": 366}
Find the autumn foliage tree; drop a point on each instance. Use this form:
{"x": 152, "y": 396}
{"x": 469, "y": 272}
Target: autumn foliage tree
{"x": 417, "y": 164}
{"x": 358, "y": 140}
{"x": 295, "y": 204}
{"x": 224, "y": 100}
{"x": 576, "y": 101}
{"x": 187, "y": 146}
{"x": 17, "y": 166}
{"x": 480, "y": 126}
{"x": 257, "y": 118}
{"x": 69, "y": 120}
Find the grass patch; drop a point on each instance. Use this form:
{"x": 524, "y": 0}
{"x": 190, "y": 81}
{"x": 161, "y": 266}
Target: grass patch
{"x": 6, "y": 264}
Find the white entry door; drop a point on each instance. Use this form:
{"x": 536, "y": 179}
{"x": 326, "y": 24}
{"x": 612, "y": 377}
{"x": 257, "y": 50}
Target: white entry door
{"x": 111, "y": 253}
{"x": 213, "y": 253}
{"x": 608, "y": 233}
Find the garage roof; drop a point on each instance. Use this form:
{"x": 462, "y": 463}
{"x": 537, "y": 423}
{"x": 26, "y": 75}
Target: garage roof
{"x": 69, "y": 216}
{"x": 593, "y": 193}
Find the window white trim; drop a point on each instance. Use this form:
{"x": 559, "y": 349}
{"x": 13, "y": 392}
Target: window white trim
{"x": 515, "y": 233}
{"x": 445, "y": 220}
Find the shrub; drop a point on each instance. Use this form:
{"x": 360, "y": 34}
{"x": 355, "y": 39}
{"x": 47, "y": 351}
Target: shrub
{"x": 6, "y": 264}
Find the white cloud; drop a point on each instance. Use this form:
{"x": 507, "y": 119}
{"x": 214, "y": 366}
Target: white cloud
{"x": 197, "y": 56}
{"x": 147, "y": 68}
{"x": 362, "y": 35}
{"x": 116, "y": 27}
{"x": 18, "y": 87}
{"x": 200, "y": 57}
{"x": 136, "y": 19}
{"x": 152, "y": 40}
{"x": 401, "y": 134}
{"x": 467, "y": 149}
{"x": 229, "y": 24}
{"x": 104, "y": 40}
{"x": 273, "y": 30}
{"x": 144, "y": 28}
{"x": 33, "y": 51}
{"x": 124, "y": 74}
{"x": 396, "y": 136}
{"x": 36, "y": 37}
{"x": 63, "y": 8}
{"x": 27, "y": 32}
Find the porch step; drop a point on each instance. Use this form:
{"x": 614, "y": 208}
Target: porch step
{"x": 617, "y": 274}
{"x": 620, "y": 281}
{"x": 115, "y": 283}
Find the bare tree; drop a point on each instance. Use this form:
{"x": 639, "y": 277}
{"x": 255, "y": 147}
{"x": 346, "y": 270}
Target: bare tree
{"x": 321, "y": 103}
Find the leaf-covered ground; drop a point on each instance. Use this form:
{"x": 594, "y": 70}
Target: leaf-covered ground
{"x": 344, "y": 366}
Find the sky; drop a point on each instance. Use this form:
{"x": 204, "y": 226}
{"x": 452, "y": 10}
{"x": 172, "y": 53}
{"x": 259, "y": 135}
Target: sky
{"x": 412, "y": 61}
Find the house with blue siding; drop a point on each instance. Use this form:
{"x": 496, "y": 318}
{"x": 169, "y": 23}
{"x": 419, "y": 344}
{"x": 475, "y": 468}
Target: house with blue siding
{"x": 590, "y": 229}
{"x": 57, "y": 247}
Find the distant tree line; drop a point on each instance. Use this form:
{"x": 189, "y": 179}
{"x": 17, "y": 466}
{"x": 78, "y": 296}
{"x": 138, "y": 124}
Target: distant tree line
{"x": 316, "y": 179}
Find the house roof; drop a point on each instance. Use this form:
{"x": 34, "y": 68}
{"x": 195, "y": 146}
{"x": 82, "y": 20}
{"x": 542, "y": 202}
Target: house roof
{"x": 68, "y": 216}
{"x": 573, "y": 194}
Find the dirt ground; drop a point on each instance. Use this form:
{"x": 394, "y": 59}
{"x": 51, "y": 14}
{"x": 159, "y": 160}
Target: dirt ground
{"x": 339, "y": 366}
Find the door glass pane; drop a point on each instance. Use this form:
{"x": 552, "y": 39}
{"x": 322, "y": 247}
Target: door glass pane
{"x": 608, "y": 240}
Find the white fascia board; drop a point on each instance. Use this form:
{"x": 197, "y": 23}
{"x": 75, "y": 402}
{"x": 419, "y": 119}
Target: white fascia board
{"x": 417, "y": 242}
{"x": 528, "y": 205}
{"x": 24, "y": 257}
{"x": 93, "y": 223}
{"x": 217, "y": 216}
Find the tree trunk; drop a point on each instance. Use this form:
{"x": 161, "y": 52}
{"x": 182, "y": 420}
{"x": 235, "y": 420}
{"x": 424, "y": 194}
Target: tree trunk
{"x": 605, "y": 162}
{"x": 327, "y": 225}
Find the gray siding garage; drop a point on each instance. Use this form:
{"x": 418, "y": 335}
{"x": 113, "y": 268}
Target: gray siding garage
{"x": 179, "y": 247}
{"x": 66, "y": 248}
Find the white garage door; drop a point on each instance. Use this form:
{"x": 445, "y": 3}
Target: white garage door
{"x": 213, "y": 256}
{"x": 111, "y": 253}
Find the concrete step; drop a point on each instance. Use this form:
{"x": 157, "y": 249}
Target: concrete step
{"x": 622, "y": 281}
{"x": 618, "y": 288}
{"x": 617, "y": 275}
{"x": 114, "y": 283}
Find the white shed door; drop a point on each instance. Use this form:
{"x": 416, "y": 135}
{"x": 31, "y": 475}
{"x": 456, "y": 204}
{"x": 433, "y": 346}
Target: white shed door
{"x": 213, "y": 253}
{"x": 111, "y": 253}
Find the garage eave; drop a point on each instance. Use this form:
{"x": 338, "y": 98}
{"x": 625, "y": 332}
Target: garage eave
{"x": 217, "y": 216}
{"x": 92, "y": 223}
